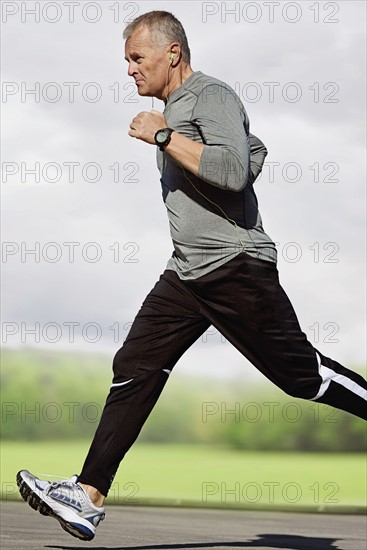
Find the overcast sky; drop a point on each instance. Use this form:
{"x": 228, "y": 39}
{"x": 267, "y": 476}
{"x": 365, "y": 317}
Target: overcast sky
{"x": 298, "y": 67}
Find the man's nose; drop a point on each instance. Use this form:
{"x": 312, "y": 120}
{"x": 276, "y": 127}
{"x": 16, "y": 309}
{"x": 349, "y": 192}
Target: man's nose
{"x": 132, "y": 69}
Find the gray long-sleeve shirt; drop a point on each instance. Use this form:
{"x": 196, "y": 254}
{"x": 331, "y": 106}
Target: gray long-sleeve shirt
{"x": 212, "y": 216}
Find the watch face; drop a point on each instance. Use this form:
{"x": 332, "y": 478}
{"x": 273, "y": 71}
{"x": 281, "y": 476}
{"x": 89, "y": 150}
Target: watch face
{"x": 161, "y": 136}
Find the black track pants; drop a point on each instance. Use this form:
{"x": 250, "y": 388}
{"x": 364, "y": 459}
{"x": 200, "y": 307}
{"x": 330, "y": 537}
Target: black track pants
{"x": 244, "y": 301}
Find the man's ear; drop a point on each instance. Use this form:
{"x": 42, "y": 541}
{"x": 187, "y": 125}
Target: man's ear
{"x": 174, "y": 54}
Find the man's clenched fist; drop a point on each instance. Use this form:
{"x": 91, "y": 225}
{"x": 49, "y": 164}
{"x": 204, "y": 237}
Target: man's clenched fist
{"x": 145, "y": 125}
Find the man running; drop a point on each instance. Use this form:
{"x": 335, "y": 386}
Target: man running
{"x": 223, "y": 270}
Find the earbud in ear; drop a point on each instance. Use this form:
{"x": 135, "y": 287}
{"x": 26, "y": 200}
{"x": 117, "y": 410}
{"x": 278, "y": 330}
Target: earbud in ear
{"x": 171, "y": 58}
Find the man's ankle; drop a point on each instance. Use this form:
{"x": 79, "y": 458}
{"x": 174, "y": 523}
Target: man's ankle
{"x": 96, "y": 497}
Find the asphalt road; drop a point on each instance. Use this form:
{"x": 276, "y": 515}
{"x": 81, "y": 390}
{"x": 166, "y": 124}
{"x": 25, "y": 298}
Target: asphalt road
{"x": 148, "y": 528}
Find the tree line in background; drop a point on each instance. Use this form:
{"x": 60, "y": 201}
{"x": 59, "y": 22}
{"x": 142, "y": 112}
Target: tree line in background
{"x": 60, "y": 396}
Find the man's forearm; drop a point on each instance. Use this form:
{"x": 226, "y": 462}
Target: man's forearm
{"x": 186, "y": 151}
{"x": 224, "y": 166}
{"x": 214, "y": 164}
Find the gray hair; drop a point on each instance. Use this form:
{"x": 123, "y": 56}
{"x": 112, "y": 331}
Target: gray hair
{"x": 164, "y": 27}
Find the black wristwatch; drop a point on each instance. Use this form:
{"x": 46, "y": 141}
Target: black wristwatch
{"x": 163, "y": 137}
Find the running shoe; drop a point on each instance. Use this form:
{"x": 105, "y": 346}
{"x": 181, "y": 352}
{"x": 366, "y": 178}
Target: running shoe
{"x": 65, "y": 501}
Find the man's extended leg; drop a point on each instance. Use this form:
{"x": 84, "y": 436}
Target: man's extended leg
{"x": 245, "y": 302}
{"x": 168, "y": 323}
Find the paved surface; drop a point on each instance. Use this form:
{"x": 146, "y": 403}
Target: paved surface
{"x": 145, "y": 528}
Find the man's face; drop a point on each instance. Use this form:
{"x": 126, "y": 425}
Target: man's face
{"x": 148, "y": 65}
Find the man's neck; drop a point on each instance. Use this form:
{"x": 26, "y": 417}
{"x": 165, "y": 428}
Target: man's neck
{"x": 178, "y": 78}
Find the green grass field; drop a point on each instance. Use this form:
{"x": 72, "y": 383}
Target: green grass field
{"x": 206, "y": 476}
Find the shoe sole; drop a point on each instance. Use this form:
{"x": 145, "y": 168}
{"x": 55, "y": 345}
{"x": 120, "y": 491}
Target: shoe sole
{"x": 40, "y": 506}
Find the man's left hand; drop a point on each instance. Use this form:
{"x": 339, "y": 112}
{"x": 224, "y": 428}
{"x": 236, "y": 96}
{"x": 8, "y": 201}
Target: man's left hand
{"x": 145, "y": 125}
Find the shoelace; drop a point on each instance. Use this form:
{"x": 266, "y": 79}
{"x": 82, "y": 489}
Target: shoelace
{"x": 73, "y": 479}
{"x": 54, "y": 484}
